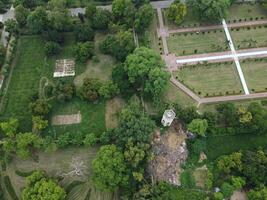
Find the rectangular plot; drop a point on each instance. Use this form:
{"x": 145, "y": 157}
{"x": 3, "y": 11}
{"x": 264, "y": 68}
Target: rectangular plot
{"x": 249, "y": 37}
{"x": 255, "y": 74}
{"x": 192, "y": 43}
{"x": 211, "y": 80}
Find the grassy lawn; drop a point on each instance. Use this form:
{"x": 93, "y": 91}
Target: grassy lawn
{"x": 190, "y": 43}
{"x": 221, "y": 145}
{"x": 93, "y": 117}
{"x": 174, "y": 95}
{"x": 250, "y": 38}
{"x": 102, "y": 69}
{"x": 246, "y": 11}
{"x": 255, "y": 73}
{"x": 213, "y": 79}
{"x": 56, "y": 164}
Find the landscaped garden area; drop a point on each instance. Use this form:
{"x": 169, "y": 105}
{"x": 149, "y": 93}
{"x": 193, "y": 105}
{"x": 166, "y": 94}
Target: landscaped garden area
{"x": 249, "y": 37}
{"x": 197, "y": 43}
{"x": 211, "y": 80}
{"x": 255, "y": 71}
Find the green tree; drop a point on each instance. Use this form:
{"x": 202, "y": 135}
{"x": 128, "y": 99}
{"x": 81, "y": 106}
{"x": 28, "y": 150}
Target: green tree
{"x": 37, "y": 20}
{"x": 218, "y": 196}
{"x": 38, "y": 124}
{"x": 101, "y": 19}
{"x": 230, "y": 162}
{"x": 143, "y": 18}
{"x": 21, "y": 14}
{"x": 2, "y": 54}
{"x": 124, "y": 11}
{"x": 210, "y": 10}
{"x": 26, "y": 3}
{"x": 84, "y": 51}
{"x": 40, "y": 107}
{"x": 12, "y": 26}
{"x": 177, "y": 11}
{"x": 109, "y": 169}
{"x": 89, "y": 89}
{"x": 227, "y": 190}
{"x": 90, "y": 11}
{"x": 198, "y": 126}
{"x": 10, "y": 127}
{"x": 258, "y": 194}
{"x": 244, "y": 115}
{"x": 238, "y": 182}
{"x": 144, "y": 70}
{"x": 40, "y": 187}
{"x": 108, "y": 90}
{"x": 90, "y": 139}
{"x": 51, "y": 48}
{"x": 83, "y": 32}
{"x": 26, "y": 142}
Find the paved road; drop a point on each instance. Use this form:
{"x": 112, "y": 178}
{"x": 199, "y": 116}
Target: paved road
{"x": 216, "y": 27}
{"x": 162, "y": 31}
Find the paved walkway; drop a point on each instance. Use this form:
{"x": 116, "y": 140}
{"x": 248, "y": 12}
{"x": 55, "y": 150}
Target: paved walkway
{"x": 237, "y": 63}
{"x": 216, "y": 27}
{"x": 163, "y": 33}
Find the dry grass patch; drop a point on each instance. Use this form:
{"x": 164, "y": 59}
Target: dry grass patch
{"x": 113, "y": 108}
{"x": 67, "y": 119}
{"x": 200, "y": 176}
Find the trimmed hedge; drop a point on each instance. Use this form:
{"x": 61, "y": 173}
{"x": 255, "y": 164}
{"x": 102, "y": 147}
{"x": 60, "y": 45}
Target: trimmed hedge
{"x": 23, "y": 174}
{"x": 10, "y": 188}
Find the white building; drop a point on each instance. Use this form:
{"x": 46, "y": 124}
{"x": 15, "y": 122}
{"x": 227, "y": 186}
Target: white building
{"x": 168, "y": 117}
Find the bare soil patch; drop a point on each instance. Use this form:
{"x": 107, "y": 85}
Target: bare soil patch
{"x": 67, "y": 119}
{"x": 170, "y": 153}
{"x": 113, "y": 108}
{"x": 239, "y": 195}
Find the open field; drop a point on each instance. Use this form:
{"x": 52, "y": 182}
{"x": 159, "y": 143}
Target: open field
{"x": 249, "y": 37}
{"x": 221, "y": 145}
{"x": 93, "y": 117}
{"x": 192, "y": 43}
{"x": 102, "y": 69}
{"x": 255, "y": 73}
{"x": 211, "y": 80}
{"x": 246, "y": 11}
{"x": 174, "y": 95}
{"x": 57, "y": 164}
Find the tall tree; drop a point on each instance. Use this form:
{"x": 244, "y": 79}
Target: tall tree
{"x": 37, "y": 20}
{"x": 109, "y": 169}
{"x": 177, "y": 11}
{"x": 40, "y": 187}
{"x": 210, "y": 10}
{"x": 143, "y": 17}
{"x": 21, "y": 15}
{"x": 144, "y": 70}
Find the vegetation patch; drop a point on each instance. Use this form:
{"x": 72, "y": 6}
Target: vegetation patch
{"x": 211, "y": 80}
{"x": 197, "y": 42}
{"x": 9, "y": 188}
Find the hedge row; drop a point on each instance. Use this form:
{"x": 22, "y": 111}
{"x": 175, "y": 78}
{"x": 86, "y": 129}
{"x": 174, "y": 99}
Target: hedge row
{"x": 23, "y": 174}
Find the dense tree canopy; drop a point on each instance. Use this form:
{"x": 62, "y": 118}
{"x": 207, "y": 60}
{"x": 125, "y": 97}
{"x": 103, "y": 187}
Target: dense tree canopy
{"x": 21, "y": 15}
{"x": 177, "y": 11}
{"x": 143, "y": 17}
{"x": 210, "y": 10}
{"x": 40, "y": 187}
{"x": 144, "y": 70}
{"x": 37, "y": 20}
{"x": 198, "y": 126}
{"x": 109, "y": 169}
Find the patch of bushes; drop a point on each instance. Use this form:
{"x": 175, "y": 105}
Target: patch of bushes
{"x": 23, "y": 174}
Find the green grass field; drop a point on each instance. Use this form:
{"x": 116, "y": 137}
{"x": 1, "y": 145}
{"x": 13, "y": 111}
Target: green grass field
{"x": 246, "y": 11}
{"x": 221, "y": 145}
{"x": 255, "y": 74}
{"x": 190, "y": 43}
{"x": 213, "y": 79}
{"x": 249, "y": 38}
{"x": 174, "y": 95}
{"x": 93, "y": 117}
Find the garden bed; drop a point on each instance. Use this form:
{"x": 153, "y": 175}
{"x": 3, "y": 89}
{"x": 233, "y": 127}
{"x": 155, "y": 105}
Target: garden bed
{"x": 196, "y": 43}
{"x": 211, "y": 80}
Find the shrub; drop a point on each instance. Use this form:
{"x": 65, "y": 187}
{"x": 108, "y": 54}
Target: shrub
{"x": 23, "y": 174}
{"x": 51, "y": 48}
{"x": 84, "y": 51}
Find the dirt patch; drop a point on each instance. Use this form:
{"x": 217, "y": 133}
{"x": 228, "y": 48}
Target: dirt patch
{"x": 239, "y": 195}
{"x": 113, "y": 108}
{"x": 67, "y": 119}
{"x": 170, "y": 153}
{"x": 200, "y": 176}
